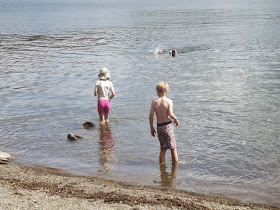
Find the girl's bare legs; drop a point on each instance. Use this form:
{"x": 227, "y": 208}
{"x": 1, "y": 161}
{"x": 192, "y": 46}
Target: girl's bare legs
{"x": 107, "y": 118}
{"x": 174, "y": 155}
{"x": 102, "y": 118}
{"x": 162, "y": 156}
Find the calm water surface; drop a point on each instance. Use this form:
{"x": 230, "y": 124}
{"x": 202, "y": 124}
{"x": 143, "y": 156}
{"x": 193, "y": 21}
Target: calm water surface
{"x": 224, "y": 82}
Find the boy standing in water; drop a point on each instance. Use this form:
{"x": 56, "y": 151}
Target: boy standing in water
{"x": 163, "y": 107}
{"x": 105, "y": 91}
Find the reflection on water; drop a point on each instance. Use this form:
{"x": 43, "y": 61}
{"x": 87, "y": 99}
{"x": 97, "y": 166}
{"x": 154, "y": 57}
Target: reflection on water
{"x": 107, "y": 156}
{"x": 168, "y": 179}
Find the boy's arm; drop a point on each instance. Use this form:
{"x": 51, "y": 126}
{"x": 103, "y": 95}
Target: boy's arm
{"x": 151, "y": 119}
{"x": 171, "y": 114}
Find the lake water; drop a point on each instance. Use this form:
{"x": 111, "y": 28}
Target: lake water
{"x": 224, "y": 82}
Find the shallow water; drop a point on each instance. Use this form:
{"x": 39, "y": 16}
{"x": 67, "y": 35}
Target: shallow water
{"x": 224, "y": 82}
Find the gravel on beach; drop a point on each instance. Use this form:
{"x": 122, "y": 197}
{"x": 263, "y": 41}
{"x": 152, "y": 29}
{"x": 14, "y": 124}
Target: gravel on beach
{"x": 37, "y": 187}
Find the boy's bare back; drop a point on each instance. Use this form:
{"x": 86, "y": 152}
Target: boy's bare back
{"x": 163, "y": 108}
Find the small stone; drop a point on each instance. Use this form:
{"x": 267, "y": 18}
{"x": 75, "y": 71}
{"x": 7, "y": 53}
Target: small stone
{"x": 73, "y": 137}
{"x": 88, "y": 125}
{"x": 5, "y": 157}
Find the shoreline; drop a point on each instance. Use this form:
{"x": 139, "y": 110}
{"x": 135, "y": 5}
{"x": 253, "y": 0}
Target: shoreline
{"x": 39, "y": 187}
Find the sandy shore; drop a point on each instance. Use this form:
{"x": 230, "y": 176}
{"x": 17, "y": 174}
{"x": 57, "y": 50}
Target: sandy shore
{"x": 36, "y": 187}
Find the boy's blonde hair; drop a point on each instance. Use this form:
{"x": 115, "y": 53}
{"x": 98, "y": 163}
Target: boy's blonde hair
{"x": 162, "y": 87}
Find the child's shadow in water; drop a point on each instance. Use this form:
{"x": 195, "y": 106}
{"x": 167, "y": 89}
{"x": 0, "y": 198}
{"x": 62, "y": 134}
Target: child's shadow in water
{"x": 168, "y": 179}
{"x": 107, "y": 156}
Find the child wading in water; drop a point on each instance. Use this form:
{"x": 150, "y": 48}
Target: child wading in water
{"x": 105, "y": 91}
{"x": 163, "y": 107}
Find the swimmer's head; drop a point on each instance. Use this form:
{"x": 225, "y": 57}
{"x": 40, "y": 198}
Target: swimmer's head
{"x": 162, "y": 88}
{"x": 172, "y": 53}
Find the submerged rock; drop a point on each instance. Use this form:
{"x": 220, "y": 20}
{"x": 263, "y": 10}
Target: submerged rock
{"x": 4, "y": 157}
{"x": 73, "y": 137}
{"x": 89, "y": 125}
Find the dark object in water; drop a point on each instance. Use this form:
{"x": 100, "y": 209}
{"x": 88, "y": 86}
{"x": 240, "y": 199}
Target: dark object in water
{"x": 73, "y": 137}
{"x": 89, "y": 125}
{"x": 172, "y": 53}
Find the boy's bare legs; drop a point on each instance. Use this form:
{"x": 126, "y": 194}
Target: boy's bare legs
{"x": 162, "y": 156}
{"x": 174, "y": 155}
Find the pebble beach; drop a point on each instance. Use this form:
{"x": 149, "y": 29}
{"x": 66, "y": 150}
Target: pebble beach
{"x": 37, "y": 187}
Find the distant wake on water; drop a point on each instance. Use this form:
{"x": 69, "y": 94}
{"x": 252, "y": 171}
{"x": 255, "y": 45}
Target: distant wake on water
{"x": 182, "y": 50}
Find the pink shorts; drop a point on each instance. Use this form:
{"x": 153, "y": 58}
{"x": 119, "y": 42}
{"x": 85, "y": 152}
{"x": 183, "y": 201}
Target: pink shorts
{"x": 104, "y": 106}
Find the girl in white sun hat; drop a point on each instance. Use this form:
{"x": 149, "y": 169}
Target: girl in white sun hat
{"x": 105, "y": 91}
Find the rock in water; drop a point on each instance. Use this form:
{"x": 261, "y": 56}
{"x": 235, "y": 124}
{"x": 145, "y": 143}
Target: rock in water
{"x": 89, "y": 125}
{"x": 73, "y": 137}
{"x": 5, "y": 157}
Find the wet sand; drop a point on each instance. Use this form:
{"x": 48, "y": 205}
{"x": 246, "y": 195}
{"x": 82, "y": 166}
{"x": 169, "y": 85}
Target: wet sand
{"x": 37, "y": 187}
